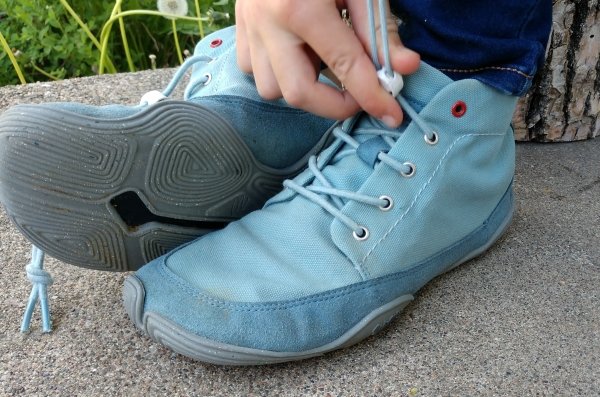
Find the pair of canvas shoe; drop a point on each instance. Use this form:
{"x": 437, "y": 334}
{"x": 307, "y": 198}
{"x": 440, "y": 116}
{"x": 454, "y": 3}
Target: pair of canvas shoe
{"x": 326, "y": 262}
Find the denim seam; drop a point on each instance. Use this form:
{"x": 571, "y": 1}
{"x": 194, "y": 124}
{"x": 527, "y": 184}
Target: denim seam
{"x": 481, "y": 69}
{"x": 413, "y": 202}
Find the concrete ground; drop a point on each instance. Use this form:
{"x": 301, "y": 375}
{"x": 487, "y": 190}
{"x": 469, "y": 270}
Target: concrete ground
{"x": 523, "y": 319}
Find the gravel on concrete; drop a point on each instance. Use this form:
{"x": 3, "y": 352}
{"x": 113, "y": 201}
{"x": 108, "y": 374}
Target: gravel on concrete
{"x": 521, "y": 320}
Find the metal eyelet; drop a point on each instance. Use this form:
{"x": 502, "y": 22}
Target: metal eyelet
{"x": 389, "y": 205}
{"x": 413, "y": 169}
{"x": 215, "y": 43}
{"x": 364, "y": 236}
{"x": 433, "y": 140}
{"x": 208, "y": 78}
{"x": 459, "y": 109}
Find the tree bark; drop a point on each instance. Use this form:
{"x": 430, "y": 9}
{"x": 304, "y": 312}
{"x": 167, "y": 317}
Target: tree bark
{"x": 564, "y": 101}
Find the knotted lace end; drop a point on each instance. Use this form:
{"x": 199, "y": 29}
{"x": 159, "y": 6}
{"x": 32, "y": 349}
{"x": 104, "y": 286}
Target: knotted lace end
{"x": 40, "y": 279}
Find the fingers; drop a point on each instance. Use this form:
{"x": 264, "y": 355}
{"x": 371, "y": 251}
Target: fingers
{"x": 404, "y": 60}
{"x": 282, "y": 63}
{"x": 297, "y": 74}
{"x": 242, "y": 48}
{"x": 252, "y": 56}
{"x": 281, "y": 43}
{"x": 341, "y": 49}
{"x": 262, "y": 69}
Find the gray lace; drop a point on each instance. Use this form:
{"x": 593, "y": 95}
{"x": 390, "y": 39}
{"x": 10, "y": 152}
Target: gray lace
{"x": 328, "y": 196}
{"x": 155, "y": 96}
{"x": 40, "y": 279}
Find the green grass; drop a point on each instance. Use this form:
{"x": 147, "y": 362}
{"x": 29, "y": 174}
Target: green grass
{"x": 71, "y": 38}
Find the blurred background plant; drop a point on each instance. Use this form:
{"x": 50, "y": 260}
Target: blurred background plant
{"x": 63, "y": 39}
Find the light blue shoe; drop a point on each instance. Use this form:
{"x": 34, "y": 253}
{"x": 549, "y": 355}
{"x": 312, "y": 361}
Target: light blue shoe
{"x": 344, "y": 248}
{"x": 114, "y": 187}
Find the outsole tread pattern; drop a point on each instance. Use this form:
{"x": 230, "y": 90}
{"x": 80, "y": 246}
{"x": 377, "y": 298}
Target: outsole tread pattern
{"x": 59, "y": 172}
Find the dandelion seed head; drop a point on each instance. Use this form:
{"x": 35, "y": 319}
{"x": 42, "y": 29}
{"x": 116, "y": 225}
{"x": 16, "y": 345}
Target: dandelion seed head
{"x": 152, "y": 61}
{"x": 174, "y": 7}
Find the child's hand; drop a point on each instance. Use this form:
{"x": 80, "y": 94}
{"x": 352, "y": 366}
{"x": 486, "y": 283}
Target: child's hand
{"x": 282, "y": 42}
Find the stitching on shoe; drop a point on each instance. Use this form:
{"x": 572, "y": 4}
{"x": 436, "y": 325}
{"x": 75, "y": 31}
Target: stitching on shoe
{"x": 256, "y": 105}
{"x": 220, "y": 72}
{"x": 363, "y": 260}
{"x": 283, "y": 305}
{"x": 502, "y": 68}
{"x": 319, "y": 297}
{"x": 326, "y": 295}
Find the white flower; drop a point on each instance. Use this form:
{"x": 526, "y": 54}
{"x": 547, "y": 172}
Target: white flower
{"x": 152, "y": 61}
{"x": 174, "y": 7}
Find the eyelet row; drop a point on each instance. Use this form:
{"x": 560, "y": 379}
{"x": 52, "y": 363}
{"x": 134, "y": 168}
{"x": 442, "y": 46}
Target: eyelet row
{"x": 213, "y": 44}
{"x": 365, "y": 232}
{"x": 458, "y": 110}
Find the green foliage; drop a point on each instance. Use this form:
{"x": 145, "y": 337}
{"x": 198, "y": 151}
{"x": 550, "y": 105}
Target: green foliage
{"x": 41, "y": 35}
{"x": 49, "y": 44}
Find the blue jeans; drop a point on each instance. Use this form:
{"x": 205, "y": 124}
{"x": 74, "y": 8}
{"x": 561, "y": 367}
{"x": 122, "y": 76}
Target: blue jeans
{"x": 501, "y": 43}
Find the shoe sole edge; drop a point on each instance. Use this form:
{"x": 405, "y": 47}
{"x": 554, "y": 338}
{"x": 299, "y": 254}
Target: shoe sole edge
{"x": 57, "y": 189}
{"x": 169, "y": 334}
{"x": 180, "y": 340}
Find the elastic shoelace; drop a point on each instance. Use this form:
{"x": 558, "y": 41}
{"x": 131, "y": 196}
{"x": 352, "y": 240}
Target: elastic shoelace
{"x": 39, "y": 277}
{"x": 331, "y": 198}
{"x": 154, "y": 96}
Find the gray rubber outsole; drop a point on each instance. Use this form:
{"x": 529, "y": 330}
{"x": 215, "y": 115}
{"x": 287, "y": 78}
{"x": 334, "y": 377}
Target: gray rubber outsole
{"x": 59, "y": 172}
{"x": 184, "y": 342}
{"x": 196, "y": 347}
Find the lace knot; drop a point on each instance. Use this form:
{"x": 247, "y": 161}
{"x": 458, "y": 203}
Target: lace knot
{"x": 40, "y": 279}
{"x": 38, "y": 275}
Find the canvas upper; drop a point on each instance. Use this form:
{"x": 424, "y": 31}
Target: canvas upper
{"x": 296, "y": 275}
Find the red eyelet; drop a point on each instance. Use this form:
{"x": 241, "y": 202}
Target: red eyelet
{"x": 459, "y": 109}
{"x": 215, "y": 43}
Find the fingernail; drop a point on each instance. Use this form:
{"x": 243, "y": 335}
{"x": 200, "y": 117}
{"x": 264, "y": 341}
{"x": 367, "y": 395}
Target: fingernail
{"x": 389, "y": 121}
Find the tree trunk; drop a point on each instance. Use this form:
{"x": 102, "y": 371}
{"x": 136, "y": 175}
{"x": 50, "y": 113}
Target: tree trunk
{"x": 564, "y": 102}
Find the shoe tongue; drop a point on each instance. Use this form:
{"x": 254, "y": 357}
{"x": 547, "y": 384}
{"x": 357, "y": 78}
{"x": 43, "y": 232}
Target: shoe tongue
{"x": 350, "y": 172}
{"x": 423, "y": 85}
{"x": 349, "y": 167}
